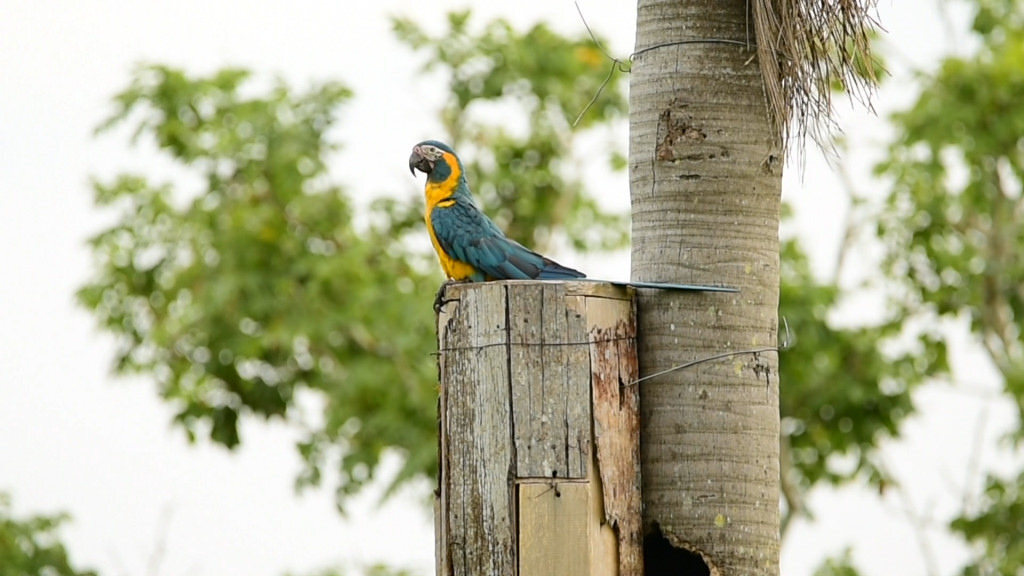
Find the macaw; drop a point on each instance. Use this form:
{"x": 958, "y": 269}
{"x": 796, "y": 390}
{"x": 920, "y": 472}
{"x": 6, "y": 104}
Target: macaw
{"x": 469, "y": 245}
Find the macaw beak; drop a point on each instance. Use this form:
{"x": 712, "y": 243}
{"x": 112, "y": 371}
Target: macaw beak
{"x": 418, "y": 162}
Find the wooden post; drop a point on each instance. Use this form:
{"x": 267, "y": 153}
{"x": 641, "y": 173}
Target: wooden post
{"x": 539, "y": 431}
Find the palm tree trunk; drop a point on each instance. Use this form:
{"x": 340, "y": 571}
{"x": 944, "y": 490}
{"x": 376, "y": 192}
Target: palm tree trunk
{"x": 705, "y": 178}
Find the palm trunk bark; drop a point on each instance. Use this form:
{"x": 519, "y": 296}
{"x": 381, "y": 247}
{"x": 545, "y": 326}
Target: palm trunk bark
{"x": 705, "y": 178}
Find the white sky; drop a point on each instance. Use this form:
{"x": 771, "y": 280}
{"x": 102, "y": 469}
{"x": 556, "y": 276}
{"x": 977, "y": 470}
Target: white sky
{"x": 144, "y": 502}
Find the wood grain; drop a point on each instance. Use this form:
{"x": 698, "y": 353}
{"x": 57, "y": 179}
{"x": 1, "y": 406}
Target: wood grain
{"x": 553, "y": 529}
{"x": 478, "y": 524}
{"x": 612, "y": 330}
{"x": 550, "y": 381}
{"x": 539, "y": 439}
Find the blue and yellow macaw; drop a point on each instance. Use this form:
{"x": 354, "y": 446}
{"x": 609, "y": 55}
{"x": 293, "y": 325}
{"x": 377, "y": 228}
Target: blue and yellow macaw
{"x": 470, "y": 246}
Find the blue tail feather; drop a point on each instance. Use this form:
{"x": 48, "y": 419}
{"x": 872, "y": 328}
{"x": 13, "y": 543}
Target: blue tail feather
{"x": 555, "y": 271}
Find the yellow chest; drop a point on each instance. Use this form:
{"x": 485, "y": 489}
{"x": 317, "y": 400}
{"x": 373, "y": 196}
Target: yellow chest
{"x": 453, "y": 269}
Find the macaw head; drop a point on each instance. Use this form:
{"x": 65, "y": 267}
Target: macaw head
{"x": 435, "y": 159}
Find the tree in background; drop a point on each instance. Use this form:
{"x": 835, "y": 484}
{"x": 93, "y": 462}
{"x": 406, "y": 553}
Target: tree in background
{"x": 263, "y": 284}
{"x": 951, "y": 227}
{"x": 31, "y": 546}
{"x": 243, "y": 294}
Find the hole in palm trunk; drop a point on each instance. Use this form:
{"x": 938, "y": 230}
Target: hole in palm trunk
{"x": 661, "y": 558}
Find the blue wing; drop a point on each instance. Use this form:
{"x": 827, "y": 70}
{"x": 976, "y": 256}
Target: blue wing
{"x": 468, "y": 235}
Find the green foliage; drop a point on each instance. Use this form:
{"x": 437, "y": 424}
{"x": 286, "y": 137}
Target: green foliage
{"x": 240, "y": 294}
{"x": 956, "y": 180}
{"x": 31, "y": 546}
{"x": 384, "y": 570}
{"x": 370, "y": 570}
{"x": 254, "y": 287}
{"x": 952, "y": 220}
{"x": 527, "y": 181}
{"x": 998, "y": 21}
{"x": 844, "y": 388}
{"x": 997, "y": 529}
{"x": 838, "y": 566}
{"x": 952, "y": 232}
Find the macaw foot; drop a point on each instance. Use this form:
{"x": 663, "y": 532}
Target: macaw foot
{"x": 439, "y": 300}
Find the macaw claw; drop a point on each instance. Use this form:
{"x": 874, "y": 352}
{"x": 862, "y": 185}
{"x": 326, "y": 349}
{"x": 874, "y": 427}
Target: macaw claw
{"x": 439, "y": 299}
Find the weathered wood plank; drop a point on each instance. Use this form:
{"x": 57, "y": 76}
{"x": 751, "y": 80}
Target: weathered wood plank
{"x": 550, "y": 382}
{"x": 612, "y": 329}
{"x": 535, "y": 385}
{"x": 440, "y": 565}
{"x": 604, "y": 539}
{"x": 593, "y": 289}
{"x": 553, "y": 386}
{"x": 553, "y": 529}
{"x": 577, "y": 389}
{"x": 476, "y": 433}
{"x": 530, "y": 422}
{"x": 446, "y": 339}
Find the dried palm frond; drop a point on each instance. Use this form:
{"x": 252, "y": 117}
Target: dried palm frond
{"x": 807, "y": 49}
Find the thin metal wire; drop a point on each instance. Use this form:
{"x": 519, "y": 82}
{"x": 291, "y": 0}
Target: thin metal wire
{"x": 703, "y": 360}
{"x": 600, "y": 89}
{"x": 531, "y": 344}
{"x": 685, "y": 42}
{"x": 786, "y": 344}
{"x": 620, "y": 65}
{"x": 616, "y": 64}
{"x": 592, "y": 35}
{"x": 781, "y": 348}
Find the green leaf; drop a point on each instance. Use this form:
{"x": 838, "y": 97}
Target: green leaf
{"x": 996, "y": 528}
{"x": 31, "y": 546}
{"x": 838, "y": 566}
{"x": 846, "y": 388}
